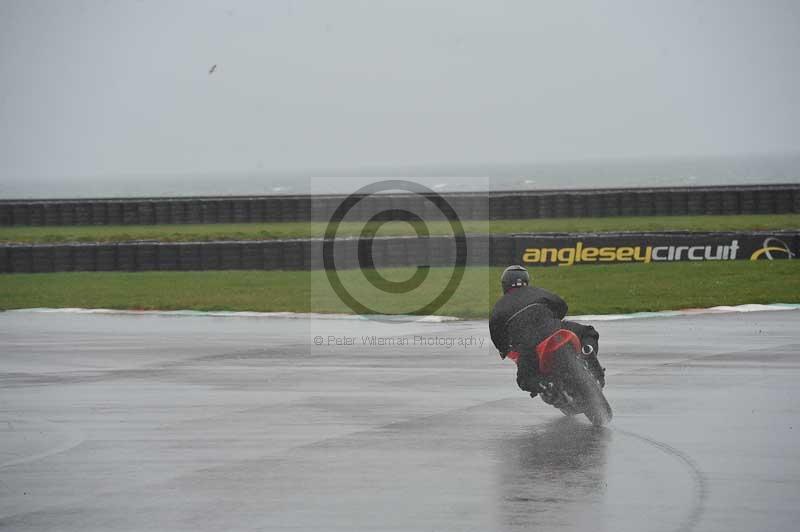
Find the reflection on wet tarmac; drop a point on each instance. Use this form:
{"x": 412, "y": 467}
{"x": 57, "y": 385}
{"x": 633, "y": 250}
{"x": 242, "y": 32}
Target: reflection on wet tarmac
{"x": 553, "y": 475}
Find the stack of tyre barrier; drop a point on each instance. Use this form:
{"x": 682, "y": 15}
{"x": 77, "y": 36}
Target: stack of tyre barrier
{"x": 549, "y": 249}
{"x": 399, "y": 251}
{"x": 762, "y": 199}
{"x": 232, "y": 255}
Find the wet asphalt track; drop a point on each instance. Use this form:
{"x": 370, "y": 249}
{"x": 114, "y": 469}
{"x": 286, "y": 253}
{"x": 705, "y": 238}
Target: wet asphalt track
{"x": 111, "y": 422}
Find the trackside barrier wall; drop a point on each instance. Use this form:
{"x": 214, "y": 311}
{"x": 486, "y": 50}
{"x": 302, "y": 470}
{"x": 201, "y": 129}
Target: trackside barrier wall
{"x": 550, "y": 249}
{"x": 756, "y": 199}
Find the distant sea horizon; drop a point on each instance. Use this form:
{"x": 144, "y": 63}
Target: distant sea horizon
{"x": 610, "y": 173}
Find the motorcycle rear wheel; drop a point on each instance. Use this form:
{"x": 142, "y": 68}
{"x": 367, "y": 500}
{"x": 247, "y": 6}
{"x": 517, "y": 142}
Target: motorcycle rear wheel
{"x": 594, "y": 404}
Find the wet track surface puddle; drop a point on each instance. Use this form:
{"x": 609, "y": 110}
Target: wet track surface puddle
{"x": 124, "y": 422}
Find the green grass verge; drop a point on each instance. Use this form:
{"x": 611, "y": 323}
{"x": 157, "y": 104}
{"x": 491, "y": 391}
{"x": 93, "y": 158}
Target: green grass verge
{"x": 208, "y": 232}
{"x": 588, "y": 289}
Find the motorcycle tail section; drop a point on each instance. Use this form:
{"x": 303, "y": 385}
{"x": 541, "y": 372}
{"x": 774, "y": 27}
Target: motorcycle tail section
{"x": 568, "y": 383}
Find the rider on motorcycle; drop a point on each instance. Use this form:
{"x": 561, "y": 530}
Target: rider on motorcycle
{"x": 525, "y": 316}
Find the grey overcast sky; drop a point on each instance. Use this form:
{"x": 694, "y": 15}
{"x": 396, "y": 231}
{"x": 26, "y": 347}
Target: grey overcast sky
{"x": 104, "y": 88}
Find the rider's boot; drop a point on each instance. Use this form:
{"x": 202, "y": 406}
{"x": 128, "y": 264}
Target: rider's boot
{"x": 599, "y": 372}
{"x": 528, "y": 378}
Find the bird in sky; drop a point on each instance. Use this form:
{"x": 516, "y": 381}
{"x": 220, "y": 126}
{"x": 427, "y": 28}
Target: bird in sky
{"x": 211, "y": 71}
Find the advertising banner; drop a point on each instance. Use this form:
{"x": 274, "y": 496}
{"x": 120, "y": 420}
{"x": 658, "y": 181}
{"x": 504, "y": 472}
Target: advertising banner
{"x": 615, "y": 248}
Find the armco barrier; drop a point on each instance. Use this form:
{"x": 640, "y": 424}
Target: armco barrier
{"x": 756, "y": 199}
{"x": 550, "y": 249}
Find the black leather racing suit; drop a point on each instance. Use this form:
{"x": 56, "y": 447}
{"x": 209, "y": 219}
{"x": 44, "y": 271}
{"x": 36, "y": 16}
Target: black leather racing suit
{"x": 525, "y": 316}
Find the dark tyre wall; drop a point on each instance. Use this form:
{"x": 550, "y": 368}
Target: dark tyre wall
{"x": 762, "y": 199}
{"x": 482, "y": 250}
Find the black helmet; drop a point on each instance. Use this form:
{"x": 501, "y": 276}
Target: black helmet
{"x": 514, "y": 276}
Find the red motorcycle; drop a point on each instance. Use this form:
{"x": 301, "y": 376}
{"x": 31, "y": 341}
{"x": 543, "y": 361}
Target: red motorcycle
{"x": 566, "y": 381}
